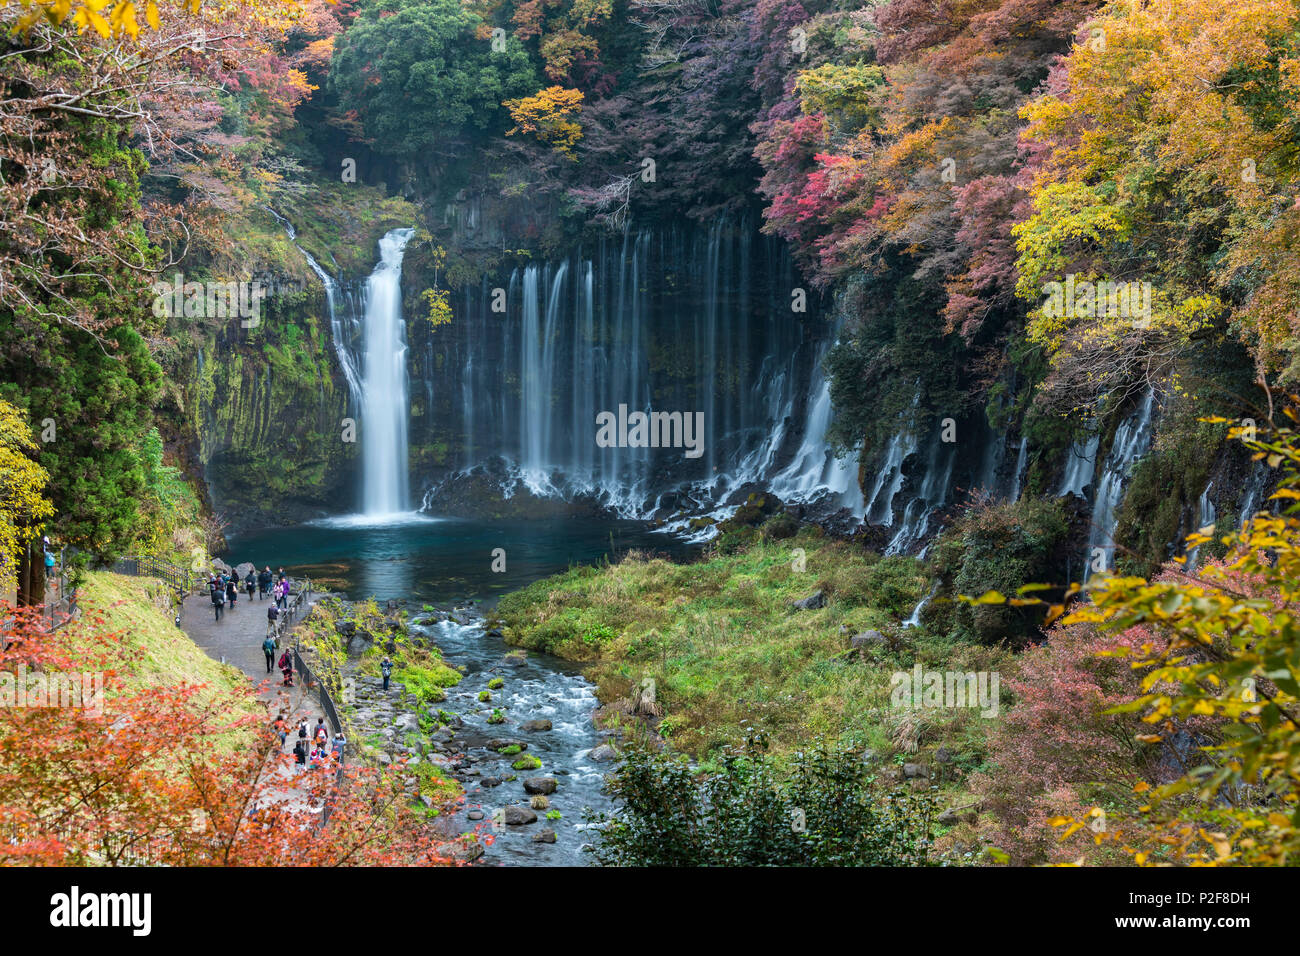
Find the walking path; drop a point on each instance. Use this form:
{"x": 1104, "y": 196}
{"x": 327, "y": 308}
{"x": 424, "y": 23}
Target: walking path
{"x": 236, "y": 639}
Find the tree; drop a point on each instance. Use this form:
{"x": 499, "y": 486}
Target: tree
{"x": 421, "y": 79}
{"x": 546, "y": 115}
{"x": 23, "y": 506}
{"x": 182, "y": 776}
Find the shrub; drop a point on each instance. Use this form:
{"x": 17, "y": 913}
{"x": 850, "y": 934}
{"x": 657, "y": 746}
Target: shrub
{"x": 824, "y": 812}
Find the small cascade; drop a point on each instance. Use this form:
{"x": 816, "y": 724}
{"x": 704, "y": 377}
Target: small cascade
{"x": 1206, "y": 516}
{"x": 1018, "y": 476}
{"x": 1132, "y": 438}
{"x": 385, "y": 407}
{"x": 1080, "y": 465}
{"x": 1253, "y": 496}
{"x": 914, "y": 619}
{"x": 814, "y": 469}
{"x": 932, "y": 495}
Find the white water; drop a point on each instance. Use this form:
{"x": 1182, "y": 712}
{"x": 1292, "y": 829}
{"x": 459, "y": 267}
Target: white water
{"x": 384, "y": 403}
{"x": 914, "y": 620}
{"x": 1080, "y": 464}
{"x": 1206, "y": 515}
{"x": 1022, "y": 461}
{"x": 1132, "y": 438}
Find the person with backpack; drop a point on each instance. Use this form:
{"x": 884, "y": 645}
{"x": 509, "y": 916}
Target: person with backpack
{"x": 232, "y": 592}
{"x": 264, "y": 582}
{"x": 300, "y": 752}
{"x": 272, "y": 614}
{"x": 268, "y": 648}
{"x": 286, "y": 668}
{"x": 337, "y": 747}
{"x": 250, "y": 585}
{"x": 321, "y": 734}
{"x": 281, "y": 727}
{"x": 217, "y": 597}
{"x": 386, "y": 668}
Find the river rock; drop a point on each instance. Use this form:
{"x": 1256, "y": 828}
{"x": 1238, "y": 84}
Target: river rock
{"x": 918, "y": 770}
{"x": 539, "y": 802}
{"x": 516, "y": 816}
{"x": 603, "y": 753}
{"x": 500, "y": 743}
{"x": 407, "y": 722}
{"x": 544, "y": 836}
{"x": 812, "y": 602}
{"x": 474, "y": 815}
{"x": 536, "y": 725}
{"x": 490, "y": 782}
{"x": 466, "y": 851}
{"x": 540, "y": 785}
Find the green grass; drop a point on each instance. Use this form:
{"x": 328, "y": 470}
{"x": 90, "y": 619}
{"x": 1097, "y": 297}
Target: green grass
{"x": 730, "y": 657}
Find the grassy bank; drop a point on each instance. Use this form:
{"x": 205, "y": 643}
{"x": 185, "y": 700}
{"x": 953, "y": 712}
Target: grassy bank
{"x": 729, "y": 655}
{"x": 154, "y": 652}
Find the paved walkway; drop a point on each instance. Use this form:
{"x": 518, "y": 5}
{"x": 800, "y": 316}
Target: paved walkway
{"x": 236, "y": 639}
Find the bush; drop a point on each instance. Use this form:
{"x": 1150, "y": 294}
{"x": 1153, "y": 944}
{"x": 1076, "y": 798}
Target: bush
{"x": 1001, "y": 548}
{"x": 824, "y": 812}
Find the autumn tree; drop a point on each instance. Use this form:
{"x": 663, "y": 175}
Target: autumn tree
{"x": 23, "y": 506}
{"x": 547, "y": 115}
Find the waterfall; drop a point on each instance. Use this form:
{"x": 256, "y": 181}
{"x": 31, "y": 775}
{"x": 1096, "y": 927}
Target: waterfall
{"x": 932, "y": 496}
{"x": 384, "y": 404}
{"x": 1132, "y": 438}
{"x": 1206, "y": 516}
{"x": 1080, "y": 464}
{"x": 1253, "y": 496}
{"x": 914, "y": 619}
{"x": 1018, "y": 477}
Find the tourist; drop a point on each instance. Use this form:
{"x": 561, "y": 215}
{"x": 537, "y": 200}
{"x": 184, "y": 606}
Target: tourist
{"x": 264, "y": 582}
{"x": 286, "y": 668}
{"x": 322, "y": 733}
{"x": 386, "y": 668}
{"x": 281, "y": 728}
{"x": 218, "y": 598}
{"x": 317, "y": 757}
{"x": 268, "y": 648}
{"x": 283, "y": 592}
{"x": 250, "y": 585}
{"x": 337, "y": 749}
{"x": 300, "y": 752}
{"x": 232, "y": 591}
{"x": 272, "y": 614}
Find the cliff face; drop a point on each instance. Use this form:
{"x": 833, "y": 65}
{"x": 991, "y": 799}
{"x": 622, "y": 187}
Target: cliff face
{"x": 270, "y": 414}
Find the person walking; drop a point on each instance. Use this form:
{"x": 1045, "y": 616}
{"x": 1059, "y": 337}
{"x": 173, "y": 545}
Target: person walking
{"x": 321, "y": 733}
{"x": 386, "y": 668}
{"x": 264, "y": 582}
{"x": 281, "y": 727}
{"x": 300, "y": 751}
{"x": 337, "y": 747}
{"x": 268, "y": 648}
{"x": 272, "y": 613}
{"x": 283, "y": 599}
{"x": 217, "y": 596}
{"x": 286, "y": 668}
{"x": 250, "y": 585}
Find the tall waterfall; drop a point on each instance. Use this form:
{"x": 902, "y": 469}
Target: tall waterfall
{"x": 384, "y": 405}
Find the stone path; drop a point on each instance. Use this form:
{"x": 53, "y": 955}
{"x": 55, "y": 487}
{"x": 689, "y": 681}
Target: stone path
{"x": 236, "y": 639}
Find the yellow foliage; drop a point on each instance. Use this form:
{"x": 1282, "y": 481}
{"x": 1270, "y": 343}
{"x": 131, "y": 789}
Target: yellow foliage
{"x": 22, "y": 507}
{"x": 546, "y": 115}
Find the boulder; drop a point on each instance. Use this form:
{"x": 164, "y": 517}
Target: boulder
{"x": 540, "y": 785}
{"x": 544, "y": 836}
{"x": 474, "y": 815}
{"x": 536, "y": 725}
{"x": 812, "y": 602}
{"x": 865, "y": 639}
{"x": 500, "y": 743}
{"x": 603, "y": 753}
{"x": 918, "y": 770}
{"x": 516, "y": 816}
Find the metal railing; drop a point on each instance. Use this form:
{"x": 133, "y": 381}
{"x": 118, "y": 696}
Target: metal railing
{"x": 146, "y": 566}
